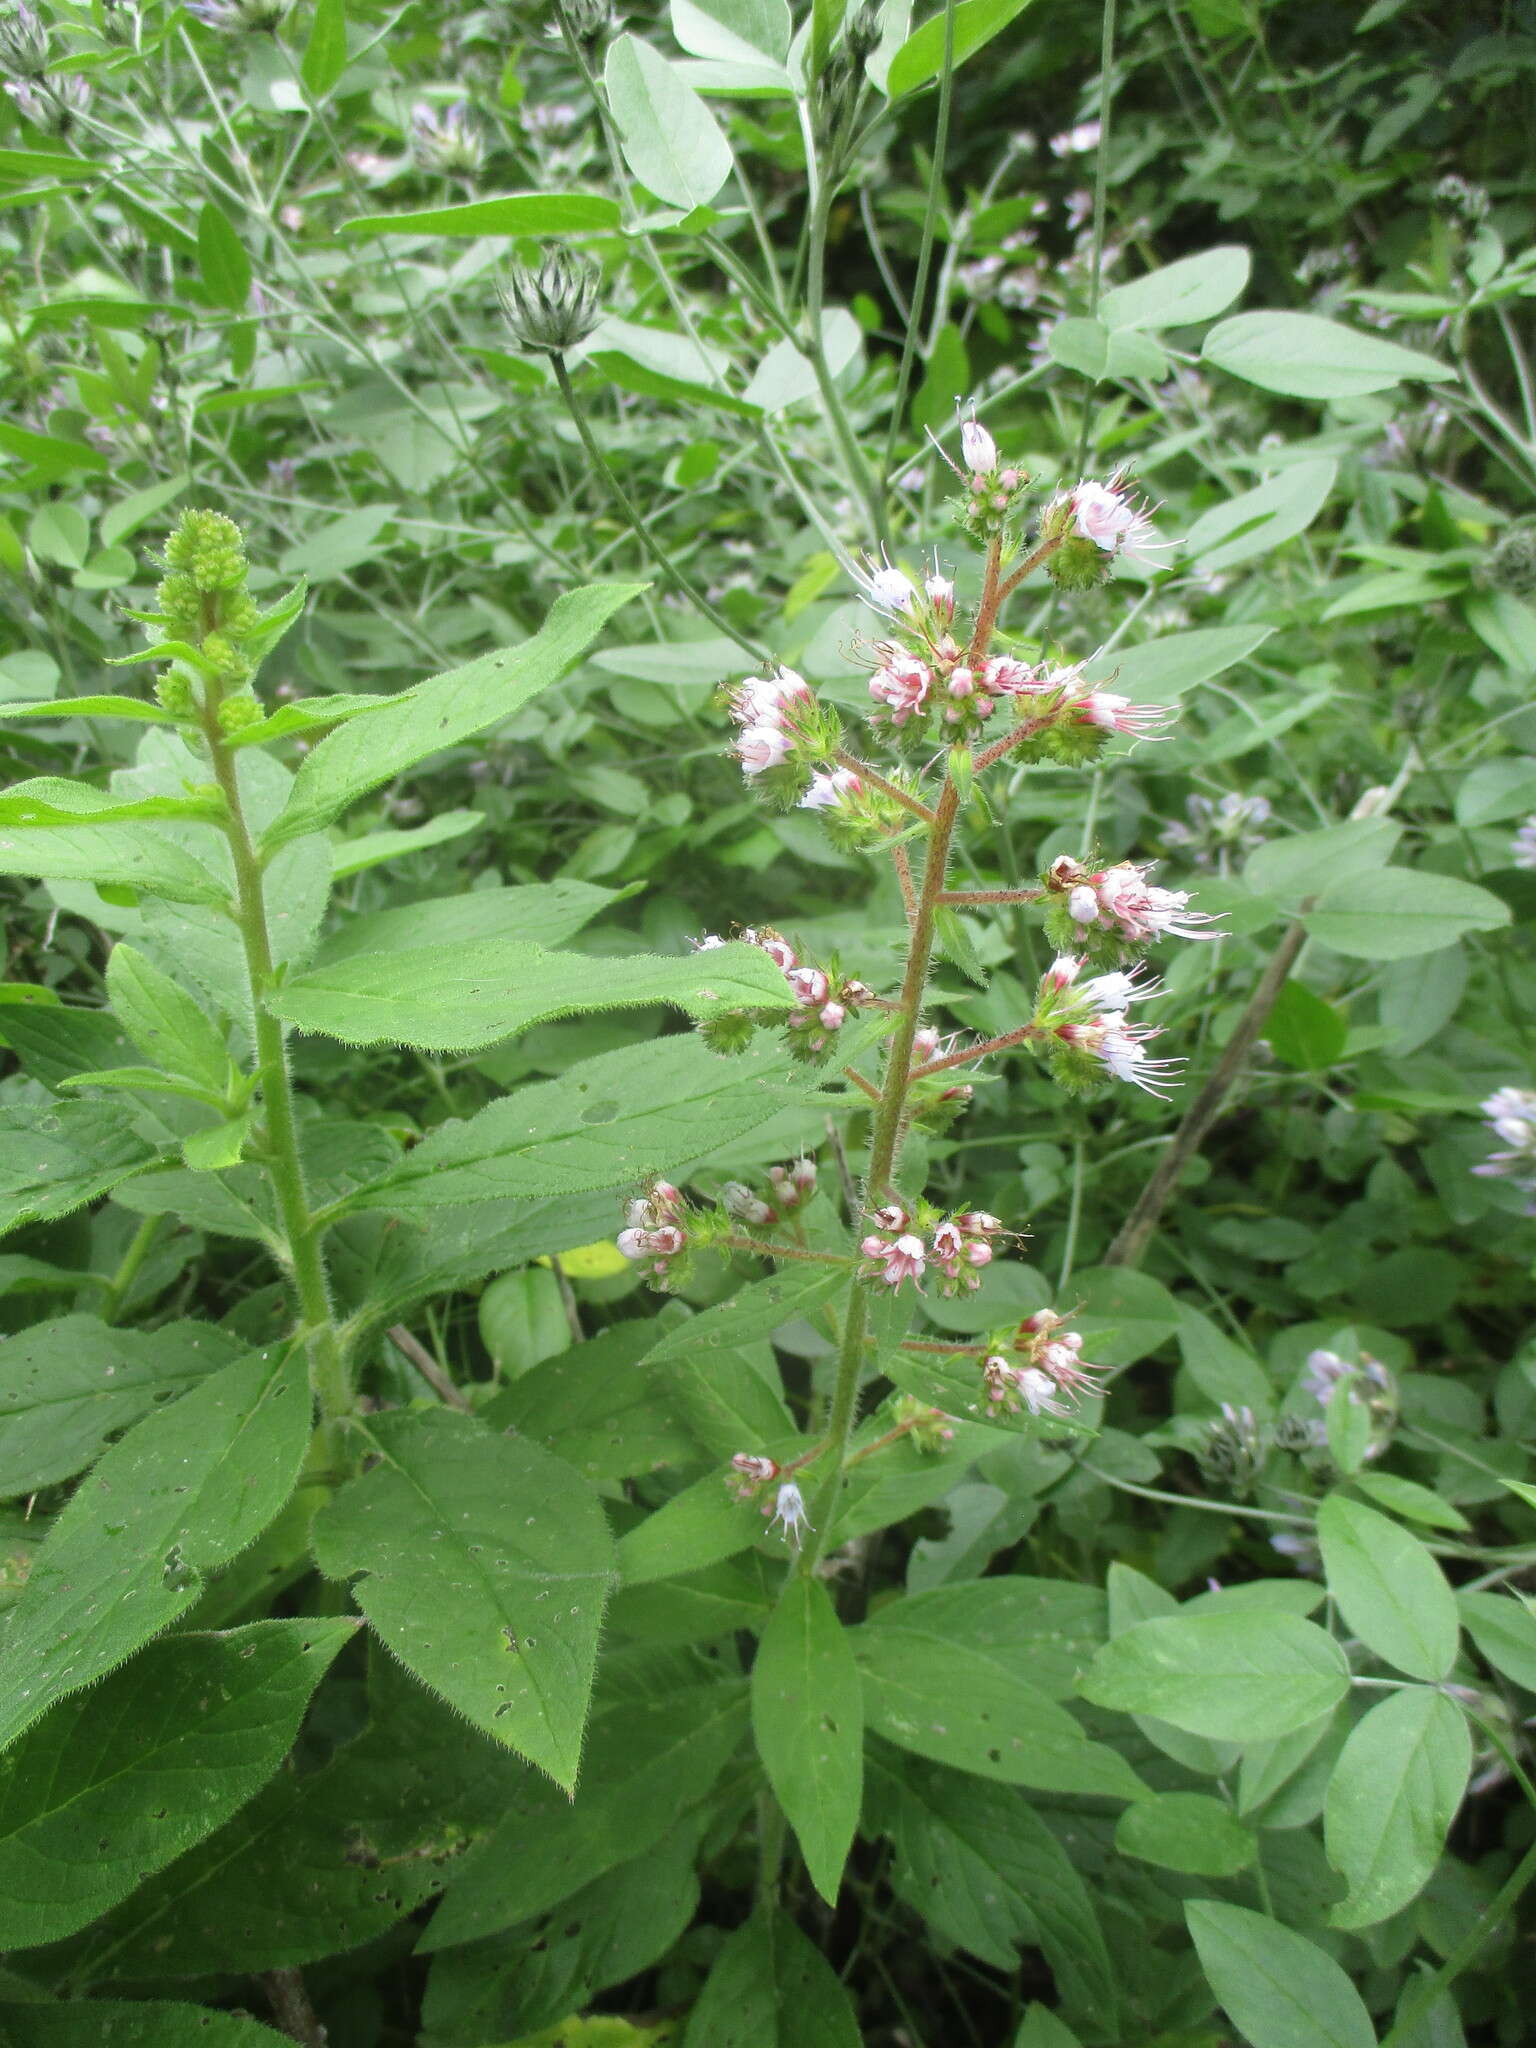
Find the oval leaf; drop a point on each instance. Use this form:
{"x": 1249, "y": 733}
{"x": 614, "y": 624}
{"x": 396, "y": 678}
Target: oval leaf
{"x": 1303, "y": 356}
{"x": 1236, "y": 1677}
{"x": 1390, "y": 1591}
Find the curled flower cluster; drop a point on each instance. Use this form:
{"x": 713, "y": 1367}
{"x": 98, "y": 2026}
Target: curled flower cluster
{"x": 446, "y": 141}
{"x": 1046, "y": 1374}
{"x": 1230, "y": 824}
{"x": 1115, "y": 910}
{"x": 1097, "y": 525}
{"x": 956, "y": 1248}
{"x": 991, "y": 488}
{"x": 1511, "y": 1116}
{"x": 656, "y": 1234}
{"x": 823, "y": 1000}
{"x": 791, "y": 1186}
{"x": 1082, "y": 1029}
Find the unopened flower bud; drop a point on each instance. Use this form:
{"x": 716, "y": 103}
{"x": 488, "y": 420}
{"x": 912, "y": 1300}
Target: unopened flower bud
{"x": 556, "y": 306}
{"x": 978, "y": 448}
{"x": 23, "y": 42}
{"x": 587, "y": 19}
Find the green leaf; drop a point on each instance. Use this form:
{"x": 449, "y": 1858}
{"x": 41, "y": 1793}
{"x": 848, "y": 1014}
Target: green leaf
{"x": 670, "y": 139}
{"x": 441, "y": 712}
{"x": 543, "y": 913}
{"x": 123, "y": 855}
{"x": 921, "y": 56}
{"x": 67, "y": 1385}
{"x": 647, "y": 1763}
{"x": 1187, "y": 1831}
{"x": 590, "y": 1404}
{"x": 1397, "y": 913}
{"x": 310, "y": 714}
{"x": 1391, "y": 1592}
{"x": 1095, "y": 351}
{"x": 523, "y": 1321}
{"x": 514, "y": 213}
{"x": 484, "y": 1564}
{"x": 1160, "y": 671}
{"x": 734, "y": 31}
{"x": 1303, "y": 1031}
{"x": 136, "y": 708}
{"x": 116, "y": 2023}
{"x": 1303, "y": 865}
{"x": 770, "y": 1987}
{"x": 1236, "y": 1677}
{"x": 1180, "y": 294}
{"x": 1504, "y": 1630}
{"x": 981, "y": 1866}
{"x": 808, "y": 1718}
{"x": 53, "y": 458}
{"x": 660, "y": 1107}
{"x": 197, "y": 1723}
{"x": 49, "y": 800}
{"x": 1496, "y": 790}
{"x": 185, "y": 1490}
{"x": 702, "y": 1525}
{"x": 456, "y": 998}
{"x": 1303, "y": 356}
{"x": 371, "y": 849}
{"x": 164, "y": 1022}
{"x": 1278, "y": 1989}
{"x": 56, "y": 1156}
{"x": 1266, "y": 517}
{"x": 1407, "y": 1498}
{"x": 320, "y": 1860}
{"x": 976, "y": 1710}
{"x": 221, "y": 258}
{"x": 1391, "y": 1799}
{"x": 128, "y": 514}
{"x": 325, "y": 54}
{"x": 1042, "y": 2029}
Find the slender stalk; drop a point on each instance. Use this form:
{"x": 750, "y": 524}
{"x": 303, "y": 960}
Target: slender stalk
{"x": 761, "y": 1249}
{"x": 677, "y": 577}
{"x": 1497, "y": 1911}
{"x": 991, "y": 895}
{"x": 1206, "y": 1107}
{"x": 128, "y": 1266}
{"x": 291, "y": 2008}
{"x": 929, "y": 235}
{"x": 416, "y": 1352}
{"x": 979, "y": 1051}
{"x": 329, "y": 1376}
{"x": 873, "y": 776}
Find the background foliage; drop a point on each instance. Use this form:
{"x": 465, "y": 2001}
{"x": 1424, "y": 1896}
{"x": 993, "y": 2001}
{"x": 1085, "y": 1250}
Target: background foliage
{"x": 1212, "y": 1720}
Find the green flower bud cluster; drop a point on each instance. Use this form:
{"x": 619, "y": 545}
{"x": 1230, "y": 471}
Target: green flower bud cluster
{"x": 203, "y": 604}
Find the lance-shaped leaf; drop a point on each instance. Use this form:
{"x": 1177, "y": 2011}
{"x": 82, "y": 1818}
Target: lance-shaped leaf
{"x": 808, "y": 1716}
{"x": 485, "y": 1562}
{"x": 138, "y": 709}
{"x": 442, "y": 711}
{"x": 56, "y": 1156}
{"x": 69, "y": 1384}
{"x": 113, "y": 1784}
{"x": 186, "y": 1489}
{"x": 456, "y": 998}
{"x": 164, "y": 1022}
{"x": 545, "y": 913}
{"x": 608, "y": 1122}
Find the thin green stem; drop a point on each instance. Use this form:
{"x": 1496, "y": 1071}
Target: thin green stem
{"x": 329, "y": 1377}
{"x": 925, "y": 246}
{"x": 653, "y": 547}
{"x": 1417, "y": 2004}
{"x": 128, "y": 1266}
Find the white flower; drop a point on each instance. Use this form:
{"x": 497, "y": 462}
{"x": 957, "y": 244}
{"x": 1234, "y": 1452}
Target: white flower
{"x": 761, "y": 747}
{"x": 978, "y": 448}
{"x": 789, "y": 1513}
{"x": 827, "y": 791}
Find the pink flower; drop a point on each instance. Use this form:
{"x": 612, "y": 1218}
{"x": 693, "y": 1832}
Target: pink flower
{"x": 891, "y": 1217}
{"x": 738, "y": 1200}
{"x": 827, "y": 791}
{"x": 902, "y": 685}
{"x": 940, "y": 593}
{"x": 1122, "y": 896}
{"x": 1113, "y": 713}
{"x": 763, "y": 700}
{"x": 779, "y": 951}
{"x": 1120, "y": 1046}
{"x": 754, "y": 1472}
{"x": 832, "y": 1016}
{"x": 898, "y": 1259}
{"x": 663, "y": 1243}
{"x": 761, "y": 747}
{"x": 1006, "y": 676}
{"x": 1107, "y": 515}
{"x": 809, "y": 984}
